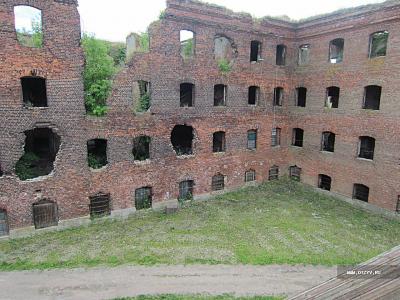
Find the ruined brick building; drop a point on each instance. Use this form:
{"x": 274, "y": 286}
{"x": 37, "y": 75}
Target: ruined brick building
{"x": 251, "y": 100}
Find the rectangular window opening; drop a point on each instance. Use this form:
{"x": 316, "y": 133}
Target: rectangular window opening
{"x": 186, "y": 190}
{"x": 252, "y": 139}
{"x": 281, "y": 55}
{"x": 298, "y": 136}
{"x": 220, "y": 95}
{"x": 255, "y": 51}
{"x": 99, "y": 205}
{"x": 273, "y": 173}
{"x": 324, "y": 182}
{"x": 301, "y": 97}
{"x": 143, "y": 198}
{"x": 45, "y": 214}
{"x": 276, "y": 137}
{"x": 254, "y": 95}
{"x": 186, "y": 94}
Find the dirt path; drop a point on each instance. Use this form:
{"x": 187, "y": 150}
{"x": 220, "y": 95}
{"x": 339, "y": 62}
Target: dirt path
{"x": 108, "y": 283}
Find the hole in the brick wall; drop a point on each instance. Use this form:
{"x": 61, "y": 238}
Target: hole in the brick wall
{"x": 297, "y": 138}
{"x": 28, "y": 26}
{"x": 378, "y": 44}
{"x": 250, "y": 176}
{"x": 324, "y": 182}
{"x": 218, "y": 182}
{"x": 360, "y": 192}
{"x": 1, "y": 171}
{"x": 182, "y": 139}
{"x": 41, "y": 148}
{"x": 141, "y": 148}
{"x": 224, "y": 49}
{"x": 255, "y": 51}
{"x": 100, "y": 205}
{"x": 278, "y": 96}
{"x": 301, "y": 96}
{"x": 304, "y": 54}
{"x": 276, "y": 137}
{"x": 3, "y": 222}
{"x": 295, "y": 172}
{"x": 186, "y": 189}
{"x": 187, "y": 41}
{"x": 143, "y": 197}
{"x": 254, "y": 95}
{"x": 332, "y": 97}
{"x": 141, "y": 92}
{"x": 219, "y": 141}
{"x": 366, "y": 147}
{"x": 372, "y": 97}
{"x": 252, "y": 139}
{"x": 328, "y": 141}
{"x": 97, "y": 153}
{"x": 220, "y": 94}
{"x": 186, "y": 94}
{"x": 281, "y": 55}
{"x": 273, "y": 173}
{"x": 398, "y": 204}
{"x": 336, "y": 49}
{"x": 34, "y": 91}
{"x": 45, "y": 214}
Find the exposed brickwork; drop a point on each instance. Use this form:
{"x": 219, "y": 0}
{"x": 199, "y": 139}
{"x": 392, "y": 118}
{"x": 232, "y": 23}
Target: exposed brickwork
{"x": 61, "y": 62}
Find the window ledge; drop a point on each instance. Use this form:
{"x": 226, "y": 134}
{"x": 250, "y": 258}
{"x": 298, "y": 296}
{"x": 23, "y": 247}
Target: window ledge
{"x": 99, "y": 170}
{"x": 219, "y": 153}
{"x": 276, "y": 147}
{"x": 142, "y": 162}
{"x": 364, "y": 159}
{"x": 185, "y": 156}
{"x": 296, "y": 147}
{"x": 327, "y": 152}
{"x": 33, "y": 108}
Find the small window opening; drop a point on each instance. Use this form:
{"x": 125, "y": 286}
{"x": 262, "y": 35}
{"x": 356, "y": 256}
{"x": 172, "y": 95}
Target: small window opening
{"x": 250, "y": 176}
{"x": 397, "y": 206}
{"x": 336, "y": 49}
{"x": 304, "y": 54}
{"x": 220, "y": 91}
{"x": 278, "y": 96}
{"x": 45, "y": 214}
{"x": 186, "y": 190}
{"x": 97, "y": 153}
{"x": 252, "y": 139}
{"x": 182, "y": 139}
{"x": 361, "y": 192}
{"x": 372, "y": 97}
{"x": 1, "y": 171}
{"x": 99, "y": 205}
{"x": 332, "y": 97}
{"x": 378, "y": 44}
{"x": 218, "y": 182}
{"x": 28, "y": 26}
{"x": 295, "y": 173}
{"x": 328, "y": 141}
{"x": 276, "y": 137}
{"x": 3, "y": 223}
{"x": 187, "y": 43}
{"x": 255, "y": 51}
{"x": 298, "y": 136}
{"x": 225, "y": 49}
{"x": 141, "y": 148}
{"x": 254, "y": 95}
{"x": 143, "y": 198}
{"x": 366, "y": 147}
{"x": 324, "y": 182}
{"x": 219, "y": 141}
{"x": 281, "y": 55}
{"x": 142, "y": 95}
{"x": 186, "y": 94}
{"x": 34, "y": 91}
{"x": 273, "y": 173}
{"x": 301, "y": 96}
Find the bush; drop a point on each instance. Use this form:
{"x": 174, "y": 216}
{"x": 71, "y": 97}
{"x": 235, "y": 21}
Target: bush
{"x": 224, "y": 66}
{"x": 25, "y": 167}
{"x": 144, "y": 103}
{"x": 95, "y": 161}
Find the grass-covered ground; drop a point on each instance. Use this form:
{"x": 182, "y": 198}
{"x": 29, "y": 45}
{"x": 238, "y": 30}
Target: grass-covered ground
{"x": 280, "y": 222}
{"x": 200, "y": 297}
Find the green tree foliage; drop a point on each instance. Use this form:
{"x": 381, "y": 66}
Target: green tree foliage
{"x": 31, "y": 39}
{"x": 26, "y": 166}
{"x": 187, "y": 48}
{"x": 224, "y": 66}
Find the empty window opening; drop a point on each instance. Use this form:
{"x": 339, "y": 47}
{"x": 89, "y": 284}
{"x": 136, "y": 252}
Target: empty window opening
{"x": 397, "y": 205}
{"x": 141, "y": 148}
{"x": 1, "y": 171}
{"x": 304, "y": 54}
{"x": 3, "y": 222}
{"x": 28, "y": 26}
{"x": 278, "y": 96}
{"x": 324, "y": 182}
{"x": 332, "y": 97}
{"x": 328, "y": 141}
{"x": 187, "y": 43}
{"x": 301, "y": 96}
{"x": 100, "y": 205}
{"x": 281, "y": 55}
{"x": 220, "y": 93}
{"x": 273, "y": 173}
{"x": 254, "y": 95}
{"x": 298, "y": 136}
{"x": 219, "y": 141}
{"x": 336, "y": 49}
{"x": 45, "y": 214}
{"x": 41, "y": 148}
{"x": 182, "y": 139}
{"x": 143, "y": 198}
{"x": 378, "y": 44}
{"x": 34, "y": 91}
{"x": 366, "y": 147}
{"x": 255, "y": 51}
{"x": 295, "y": 173}
{"x": 252, "y": 139}
{"x": 142, "y": 95}
{"x": 361, "y": 192}
{"x": 97, "y": 153}
{"x": 276, "y": 137}
{"x": 218, "y": 182}
{"x": 250, "y": 176}
{"x": 224, "y": 49}
{"x": 186, "y": 94}
{"x": 372, "y": 97}
{"x": 186, "y": 190}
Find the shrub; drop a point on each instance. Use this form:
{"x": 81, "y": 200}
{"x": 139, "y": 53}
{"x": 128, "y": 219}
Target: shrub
{"x": 26, "y": 166}
{"x": 95, "y": 161}
{"x": 224, "y": 66}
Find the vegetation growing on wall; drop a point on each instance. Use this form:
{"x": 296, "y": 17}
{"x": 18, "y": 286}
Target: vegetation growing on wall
{"x": 224, "y": 66}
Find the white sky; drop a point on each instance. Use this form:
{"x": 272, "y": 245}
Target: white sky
{"x": 114, "y": 20}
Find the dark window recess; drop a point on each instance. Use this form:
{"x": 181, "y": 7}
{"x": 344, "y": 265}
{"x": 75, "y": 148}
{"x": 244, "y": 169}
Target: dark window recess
{"x": 360, "y": 192}
{"x": 273, "y": 173}
{"x": 182, "y": 139}
{"x": 301, "y": 96}
{"x": 34, "y": 91}
{"x": 97, "y": 153}
{"x": 336, "y": 49}
{"x": 328, "y": 141}
{"x": 1, "y": 171}
{"x": 143, "y": 198}
{"x": 100, "y": 205}
{"x": 304, "y": 54}
{"x": 220, "y": 95}
{"x": 295, "y": 173}
{"x": 278, "y": 96}
{"x": 3, "y": 222}
{"x": 255, "y": 51}
{"x": 378, "y": 44}
{"x": 398, "y": 204}
{"x": 45, "y": 214}
{"x": 281, "y": 55}
{"x": 219, "y": 141}
{"x": 372, "y": 97}
{"x": 218, "y": 182}
{"x": 276, "y": 137}
{"x": 332, "y": 97}
{"x": 324, "y": 182}
{"x": 141, "y": 148}
{"x": 367, "y": 147}
{"x": 186, "y": 190}
{"x": 186, "y": 94}
{"x": 254, "y": 95}
{"x": 252, "y": 139}
{"x": 250, "y": 176}
{"x": 298, "y": 136}
{"x": 142, "y": 91}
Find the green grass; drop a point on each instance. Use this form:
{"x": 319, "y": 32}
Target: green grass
{"x": 199, "y": 297}
{"x": 282, "y": 222}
